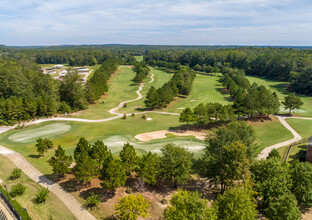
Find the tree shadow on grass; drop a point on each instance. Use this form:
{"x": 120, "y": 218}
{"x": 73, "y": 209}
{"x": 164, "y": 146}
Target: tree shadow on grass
{"x": 281, "y": 87}
{"x": 225, "y": 93}
{"x": 34, "y": 156}
{"x": 104, "y": 194}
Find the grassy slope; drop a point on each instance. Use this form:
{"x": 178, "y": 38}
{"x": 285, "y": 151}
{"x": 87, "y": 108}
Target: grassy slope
{"x": 120, "y": 88}
{"x": 205, "y": 89}
{"x": 139, "y": 58}
{"x": 279, "y": 88}
{"x": 53, "y": 206}
{"x": 303, "y": 127}
{"x": 270, "y": 132}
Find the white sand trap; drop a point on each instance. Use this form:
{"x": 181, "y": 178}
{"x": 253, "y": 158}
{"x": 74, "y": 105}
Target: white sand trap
{"x": 149, "y": 119}
{"x": 29, "y": 135}
{"x": 193, "y": 100}
{"x": 162, "y": 134}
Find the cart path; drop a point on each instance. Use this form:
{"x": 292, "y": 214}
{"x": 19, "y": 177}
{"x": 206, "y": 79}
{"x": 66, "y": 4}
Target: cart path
{"x": 73, "y": 205}
{"x": 265, "y": 152}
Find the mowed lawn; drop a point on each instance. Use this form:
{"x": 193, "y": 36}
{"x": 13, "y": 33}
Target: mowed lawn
{"x": 280, "y": 89}
{"x": 301, "y": 126}
{"x": 160, "y": 78}
{"x": 25, "y": 142}
{"x": 205, "y": 89}
{"x": 121, "y": 88}
{"x": 52, "y": 209}
{"x": 270, "y": 132}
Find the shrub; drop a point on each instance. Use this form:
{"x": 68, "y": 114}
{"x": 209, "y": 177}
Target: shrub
{"x": 42, "y": 195}
{"x": 93, "y": 200}
{"x": 132, "y": 115}
{"x": 16, "y": 173}
{"x": 124, "y": 116}
{"x": 144, "y": 116}
{"x": 17, "y": 190}
{"x": 125, "y": 105}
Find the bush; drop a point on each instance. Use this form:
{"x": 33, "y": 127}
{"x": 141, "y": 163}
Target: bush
{"x": 42, "y": 195}
{"x": 17, "y": 190}
{"x": 16, "y": 173}
{"x": 144, "y": 116}
{"x": 93, "y": 200}
{"x": 125, "y": 105}
{"x": 124, "y": 116}
{"x": 132, "y": 115}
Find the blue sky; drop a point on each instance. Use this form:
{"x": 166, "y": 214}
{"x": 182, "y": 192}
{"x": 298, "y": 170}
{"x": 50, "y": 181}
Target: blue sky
{"x": 191, "y": 22}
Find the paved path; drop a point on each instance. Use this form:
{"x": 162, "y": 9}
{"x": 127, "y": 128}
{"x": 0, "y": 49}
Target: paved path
{"x": 73, "y": 205}
{"x": 265, "y": 152}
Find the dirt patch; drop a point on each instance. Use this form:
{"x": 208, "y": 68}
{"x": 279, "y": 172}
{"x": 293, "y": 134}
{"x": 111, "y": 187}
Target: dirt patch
{"x": 162, "y": 134}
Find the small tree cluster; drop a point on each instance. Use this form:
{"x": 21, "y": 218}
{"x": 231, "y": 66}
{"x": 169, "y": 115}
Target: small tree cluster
{"x": 42, "y": 195}
{"x": 43, "y": 144}
{"x": 180, "y": 83}
{"x": 17, "y": 190}
{"x": 142, "y": 70}
{"x": 16, "y": 173}
{"x": 60, "y": 162}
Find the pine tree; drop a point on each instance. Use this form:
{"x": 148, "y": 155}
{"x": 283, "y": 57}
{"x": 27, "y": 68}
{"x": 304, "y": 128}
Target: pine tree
{"x": 60, "y": 162}
{"x": 152, "y": 98}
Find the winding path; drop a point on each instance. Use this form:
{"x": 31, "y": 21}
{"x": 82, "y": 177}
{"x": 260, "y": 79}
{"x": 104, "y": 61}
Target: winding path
{"x": 73, "y": 205}
{"x": 265, "y": 152}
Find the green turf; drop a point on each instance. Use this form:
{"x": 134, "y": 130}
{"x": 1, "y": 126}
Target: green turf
{"x": 139, "y": 58}
{"x": 293, "y": 155}
{"x": 124, "y": 130}
{"x": 121, "y": 88}
{"x": 205, "y": 89}
{"x": 53, "y": 206}
{"x": 280, "y": 89}
{"x": 160, "y": 78}
{"x": 269, "y": 133}
{"x": 301, "y": 126}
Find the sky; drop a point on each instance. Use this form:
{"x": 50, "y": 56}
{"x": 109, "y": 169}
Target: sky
{"x": 156, "y": 22}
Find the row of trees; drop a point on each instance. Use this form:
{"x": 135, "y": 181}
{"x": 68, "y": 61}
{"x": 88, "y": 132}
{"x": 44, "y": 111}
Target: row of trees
{"x": 206, "y": 114}
{"x": 180, "y": 83}
{"x": 142, "y": 70}
{"x": 97, "y": 85}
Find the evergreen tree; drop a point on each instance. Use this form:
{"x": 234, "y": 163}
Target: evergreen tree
{"x": 148, "y": 168}
{"x": 60, "y": 162}
{"x": 129, "y": 158}
{"x": 187, "y": 116}
{"x": 152, "y": 98}
{"x": 113, "y": 175}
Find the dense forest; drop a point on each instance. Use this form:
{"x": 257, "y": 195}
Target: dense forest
{"x": 27, "y": 93}
{"x": 283, "y": 64}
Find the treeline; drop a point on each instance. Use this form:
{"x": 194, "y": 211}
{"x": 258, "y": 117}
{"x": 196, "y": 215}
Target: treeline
{"x": 97, "y": 85}
{"x": 142, "y": 71}
{"x": 284, "y": 64}
{"x": 244, "y": 185}
{"x": 180, "y": 83}
{"x": 248, "y": 99}
{"x": 26, "y": 93}
{"x": 73, "y": 56}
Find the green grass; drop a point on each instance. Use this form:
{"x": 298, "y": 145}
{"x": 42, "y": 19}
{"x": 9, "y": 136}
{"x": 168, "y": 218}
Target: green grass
{"x": 269, "y": 133}
{"x": 121, "y": 88}
{"x": 53, "y": 206}
{"x": 121, "y": 130}
{"x": 280, "y": 89}
{"x": 293, "y": 155}
{"x": 301, "y": 126}
{"x": 139, "y": 58}
{"x": 160, "y": 78}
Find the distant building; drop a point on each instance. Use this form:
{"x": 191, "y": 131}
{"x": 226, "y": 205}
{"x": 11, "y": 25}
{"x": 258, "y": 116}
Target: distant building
{"x": 58, "y": 66}
{"x": 82, "y": 69}
{"x": 309, "y": 151}
{"x": 50, "y": 71}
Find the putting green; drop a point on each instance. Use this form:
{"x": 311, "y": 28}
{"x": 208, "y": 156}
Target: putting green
{"x": 46, "y": 131}
{"x": 116, "y": 142}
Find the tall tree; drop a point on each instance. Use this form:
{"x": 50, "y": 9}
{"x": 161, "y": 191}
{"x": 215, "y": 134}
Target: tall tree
{"x": 113, "y": 174}
{"x": 292, "y": 102}
{"x": 128, "y": 157}
{"x": 189, "y": 205}
{"x": 175, "y": 164}
{"x": 148, "y": 168}
{"x": 152, "y": 98}
{"x": 226, "y": 165}
{"x": 60, "y": 162}
{"x": 132, "y": 206}
{"x": 99, "y": 151}
{"x": 236, "y": 204}
{"x": 86, "y": 168}
{"x": 41, "y": 146}
{"x": 187, "y": 116}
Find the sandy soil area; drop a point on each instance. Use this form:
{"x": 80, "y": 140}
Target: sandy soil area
{"x": 162, "y": 134}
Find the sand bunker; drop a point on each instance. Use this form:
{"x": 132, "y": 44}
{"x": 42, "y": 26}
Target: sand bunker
{"x": 162, "y": 134}
{"x": 30, "y": 135}
{"x": 149, "y": 119}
